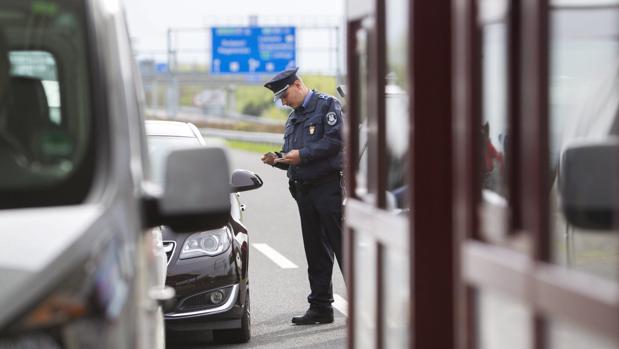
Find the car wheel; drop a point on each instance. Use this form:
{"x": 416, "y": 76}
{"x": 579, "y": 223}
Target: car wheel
{"x": 240, "y": 335}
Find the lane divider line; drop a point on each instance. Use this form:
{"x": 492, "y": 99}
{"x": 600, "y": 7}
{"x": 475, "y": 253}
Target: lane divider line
{"x": 275, "y": 256}
{"x": 340, "y": 304}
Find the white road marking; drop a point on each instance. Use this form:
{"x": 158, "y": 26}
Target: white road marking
{"x": 275, "y": 256}
{"x": 340, "y": 304}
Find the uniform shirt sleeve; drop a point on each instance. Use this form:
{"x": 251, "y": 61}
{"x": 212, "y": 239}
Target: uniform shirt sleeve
{"x": 331, "y": 142}
{"x": 282, "y": 166}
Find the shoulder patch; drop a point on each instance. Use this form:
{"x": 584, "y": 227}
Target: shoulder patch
{"x": 331, "y": 118}
{"x": 323, "y": 96}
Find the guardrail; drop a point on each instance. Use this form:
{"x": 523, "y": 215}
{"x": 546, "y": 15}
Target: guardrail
{"x": 276, "y": 139}
{"x": 196, "y": 113}
{"x": 252, "y": 137}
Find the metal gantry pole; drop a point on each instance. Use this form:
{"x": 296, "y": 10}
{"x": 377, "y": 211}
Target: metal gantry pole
{"x": 172, "y": 88}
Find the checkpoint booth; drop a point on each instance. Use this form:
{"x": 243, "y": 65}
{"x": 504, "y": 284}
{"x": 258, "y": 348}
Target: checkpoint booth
{"x": 481, "y": 174}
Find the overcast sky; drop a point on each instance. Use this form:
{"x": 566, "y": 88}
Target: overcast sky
{"x": 149, "y": 19}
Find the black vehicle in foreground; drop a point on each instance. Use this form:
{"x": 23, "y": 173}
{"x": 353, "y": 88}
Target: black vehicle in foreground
{"x": 208, "y": 269}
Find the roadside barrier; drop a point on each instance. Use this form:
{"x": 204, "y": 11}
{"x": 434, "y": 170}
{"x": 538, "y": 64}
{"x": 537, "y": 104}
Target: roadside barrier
{"x": 275, "y": 139}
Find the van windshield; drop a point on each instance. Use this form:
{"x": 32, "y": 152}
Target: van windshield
{"x": 45, "y": 113}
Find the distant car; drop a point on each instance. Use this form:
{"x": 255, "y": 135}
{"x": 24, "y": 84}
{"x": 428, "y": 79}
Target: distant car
{"x": 208, "y": 269}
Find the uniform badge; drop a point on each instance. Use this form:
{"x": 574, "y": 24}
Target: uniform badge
{"x": 312, "y": 129}
{"x": 331, "y": 119}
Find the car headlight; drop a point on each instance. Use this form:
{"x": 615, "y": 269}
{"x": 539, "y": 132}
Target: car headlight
{"x": 207, "y": 243}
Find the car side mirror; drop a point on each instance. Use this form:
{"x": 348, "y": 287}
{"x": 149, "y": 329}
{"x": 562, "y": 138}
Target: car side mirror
{"x": 187, "y": 202}
{"x": 243, "y": 180}
{"x": 588, "y": 184}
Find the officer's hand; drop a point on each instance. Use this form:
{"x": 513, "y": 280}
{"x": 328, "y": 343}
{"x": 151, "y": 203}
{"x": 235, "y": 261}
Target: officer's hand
{"x": 292, "y": 157}
{"x": 269, "y": 158}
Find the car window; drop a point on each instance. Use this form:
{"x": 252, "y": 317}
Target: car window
{"x": 45, "y": 115}
{"x": 160, "y": 147}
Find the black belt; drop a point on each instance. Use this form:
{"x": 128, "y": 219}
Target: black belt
{"x": 311, "y": 183}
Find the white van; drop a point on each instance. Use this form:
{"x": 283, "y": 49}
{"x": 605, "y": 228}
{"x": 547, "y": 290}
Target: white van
{"x": 80, "y": 266}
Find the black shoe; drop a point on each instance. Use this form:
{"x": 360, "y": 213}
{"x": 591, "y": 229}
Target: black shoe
{"x": 313, "y": 316}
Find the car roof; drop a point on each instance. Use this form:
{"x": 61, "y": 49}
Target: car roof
{"x": 171, "y": 128}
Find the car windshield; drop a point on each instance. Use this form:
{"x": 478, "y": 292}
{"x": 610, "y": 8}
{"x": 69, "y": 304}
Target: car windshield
{"x": 160, "y": 147}
{"x": 45, "y": 113}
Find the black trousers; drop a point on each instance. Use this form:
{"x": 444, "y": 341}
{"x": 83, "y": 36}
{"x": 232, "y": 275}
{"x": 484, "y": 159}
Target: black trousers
{"x": 320, "y": 208}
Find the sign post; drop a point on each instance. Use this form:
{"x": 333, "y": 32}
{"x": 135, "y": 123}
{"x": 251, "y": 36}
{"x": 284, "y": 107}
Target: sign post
{"x": 252, "y": 50}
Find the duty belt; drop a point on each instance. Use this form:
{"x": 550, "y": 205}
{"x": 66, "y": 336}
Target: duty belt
{"x": 305, "y": 185}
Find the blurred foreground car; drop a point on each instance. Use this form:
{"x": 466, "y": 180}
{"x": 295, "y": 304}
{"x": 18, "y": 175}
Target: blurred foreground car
{"x": 81, "y": 266}
{"x": 208, "y": 269}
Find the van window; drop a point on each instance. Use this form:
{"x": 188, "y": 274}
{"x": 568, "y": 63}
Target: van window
{"x": 45, "y": 114}
{"x": 42, "y": 66}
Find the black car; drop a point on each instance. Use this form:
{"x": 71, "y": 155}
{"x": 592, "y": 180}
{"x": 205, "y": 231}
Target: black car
{"x": 208, "y": 269}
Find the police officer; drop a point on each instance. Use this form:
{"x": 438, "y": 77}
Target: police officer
{"x": 312, "y": 155}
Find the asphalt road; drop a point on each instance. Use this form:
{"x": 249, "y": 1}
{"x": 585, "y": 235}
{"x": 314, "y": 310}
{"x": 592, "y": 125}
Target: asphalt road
{"x": 279, "y": 293}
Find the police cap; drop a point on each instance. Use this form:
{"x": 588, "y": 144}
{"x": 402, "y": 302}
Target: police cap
{"x": 281, "y": 82}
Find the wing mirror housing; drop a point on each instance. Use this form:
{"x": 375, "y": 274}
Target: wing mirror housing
{"x": 188, "y": 202}
{"x": 588, "y": 184}
{"x": 243, "y": 180}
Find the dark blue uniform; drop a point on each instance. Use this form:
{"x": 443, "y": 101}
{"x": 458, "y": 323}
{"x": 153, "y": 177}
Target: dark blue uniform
{"x": 316, "y": 131}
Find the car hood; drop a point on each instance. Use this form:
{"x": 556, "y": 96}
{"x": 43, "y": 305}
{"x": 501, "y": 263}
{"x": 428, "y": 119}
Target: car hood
{"x": 39, "y": 246}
